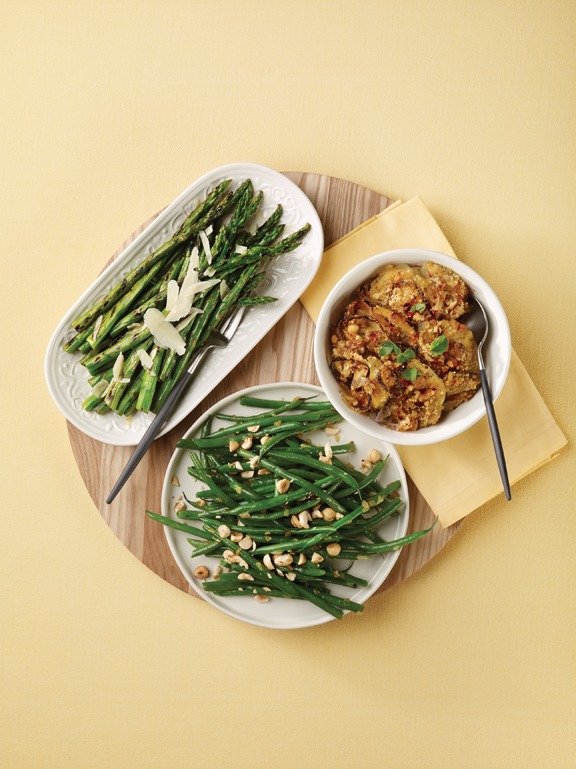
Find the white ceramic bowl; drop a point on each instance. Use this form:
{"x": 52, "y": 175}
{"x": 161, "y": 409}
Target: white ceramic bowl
{"x": 496, "y": 351}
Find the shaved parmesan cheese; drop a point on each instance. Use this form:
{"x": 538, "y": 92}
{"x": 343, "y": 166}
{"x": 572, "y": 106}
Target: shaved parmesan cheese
{"x": 209, "y": 272}
{"x": 209, "y": 230}
{"x": 224, "y": 290}
{"x": 184, "y": 301}
{"x": 195, "y": 258}
{"x": 145, "y": 359}
{"x": 203, "y": 285}
{"x": 134, "y": 327}
{"x": 164, "y": 333}
{"x": 118, "y": 366}
{"x": 191, "y": 278}
{"x": 206, "y": 244}
{"x": 183, "y": 323}
{"x": 153, "y": 354}
{"x": 172, "y": 291}
{"x": 99, "y": 388}
{"x": 240, "y": 249}
{"x": 97, "y": 325}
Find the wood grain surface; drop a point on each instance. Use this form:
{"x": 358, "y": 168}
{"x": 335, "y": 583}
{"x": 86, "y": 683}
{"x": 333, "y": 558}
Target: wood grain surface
{"x": 342, "y": 206}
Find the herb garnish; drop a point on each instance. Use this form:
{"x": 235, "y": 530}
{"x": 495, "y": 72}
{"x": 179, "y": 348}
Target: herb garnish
{"x": 411, "y": 374}
{"x": 402, "y": 357}
{"x": 439, "y": 345}
{"x": 388, "y": 347}
{"x": 419, "y": 307}
{"x": 405, "y": 356}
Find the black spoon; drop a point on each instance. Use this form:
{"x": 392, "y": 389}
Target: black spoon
{"x": 477, "y": 322}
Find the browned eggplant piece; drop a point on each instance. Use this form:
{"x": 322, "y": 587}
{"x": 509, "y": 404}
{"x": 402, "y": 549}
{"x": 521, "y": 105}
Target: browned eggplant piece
{"x": 445, "y": 292}
{"x": 396, "y": 328}
{"x": 421, "y": 402}
{"x": 453, "y": 401}
{"x": 360, "y": 379}
{"x": 397, "y": 287}
{"x": 457, "y": 367}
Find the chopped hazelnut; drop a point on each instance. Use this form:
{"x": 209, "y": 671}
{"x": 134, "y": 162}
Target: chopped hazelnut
{"x": 328, "y": 514}
{"x": 282, "y": 486}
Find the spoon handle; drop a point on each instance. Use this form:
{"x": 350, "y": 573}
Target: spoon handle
{"x": 495, "y": 433}
{"x": 156, "y": 425}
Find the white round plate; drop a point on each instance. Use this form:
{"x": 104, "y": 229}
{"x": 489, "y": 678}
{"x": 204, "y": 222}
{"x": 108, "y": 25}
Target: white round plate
{"x": 496, "y": 352}
{"x": 287, "y": 276}
{"x": 283, "y": 613}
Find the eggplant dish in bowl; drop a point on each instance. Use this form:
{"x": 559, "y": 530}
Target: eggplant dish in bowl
{"x": 399, "y": 350}
{"x": 393, "y": 350}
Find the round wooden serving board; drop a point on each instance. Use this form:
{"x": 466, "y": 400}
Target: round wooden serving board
{"x": 285, "y": 354}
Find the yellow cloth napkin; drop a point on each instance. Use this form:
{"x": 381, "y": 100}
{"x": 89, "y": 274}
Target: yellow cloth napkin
{"x": 455, "y": 476}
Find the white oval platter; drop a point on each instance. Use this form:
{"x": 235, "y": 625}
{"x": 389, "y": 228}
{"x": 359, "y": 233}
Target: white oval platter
{"x": 287, "y": 276}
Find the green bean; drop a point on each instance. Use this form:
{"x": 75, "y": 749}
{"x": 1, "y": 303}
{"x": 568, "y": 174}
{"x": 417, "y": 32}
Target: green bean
{"x": 319, "y": 601}
{"x": 272, "y": 425}
{"x": 395, "y": 544}
{"x": 177, "y": 525}
{"x": 322, "y": 466}
{"x": 249, "y": 589}
{"x": 378, "y": 517}
{"x": 344, "y": 448}
{"x": 297, "y": 403}
{"x": 341, "y": 603}
{"x": 209, "y": 547}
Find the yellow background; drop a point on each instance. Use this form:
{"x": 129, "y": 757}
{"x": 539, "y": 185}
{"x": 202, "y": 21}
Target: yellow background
{"x": 110, "y": 110}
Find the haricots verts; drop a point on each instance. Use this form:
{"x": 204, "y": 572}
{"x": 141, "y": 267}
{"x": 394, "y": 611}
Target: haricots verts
{"x": 281, "y": 522}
